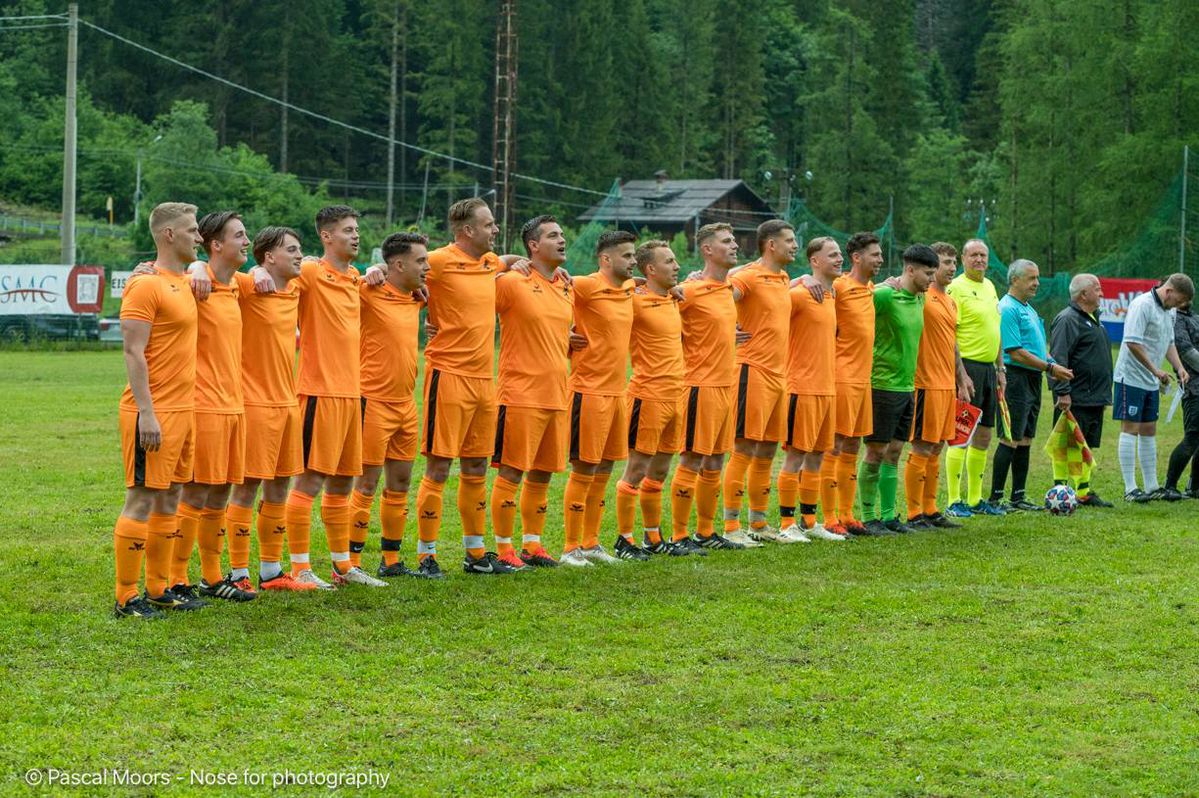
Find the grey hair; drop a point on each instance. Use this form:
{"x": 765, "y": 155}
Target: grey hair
{"x": 976, "y": 241}
{"x": 1018, "y": 268}
{"x": 1080, "y": 283}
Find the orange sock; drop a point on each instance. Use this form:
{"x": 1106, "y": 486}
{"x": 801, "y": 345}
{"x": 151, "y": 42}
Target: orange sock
{"x": 809, "y": 494}
{"x": 160, "y": 544}
{"x": 913, "y": 483}
{"x": 828, "y": 488}
{"x": 335, "y": 515}
{"x": 682, "y": 496}
{"x": 428, "y": 517}
{"x": 847, "y": 486}
{"x": 757, "y": 487}
{"x": 297, "y": 516}
{"x": 188, "y": 519}
{"x": 212, "y": 543}
{"x": 393, "y": 515}
{"x": 734, "y": 489}
{"x": 238, "y": 521}
{"x": 707, "y": 491}
{"x": 788, "y": 495}
{"x": 626, "y": 510}
{"x": 533, "y": 509}
{"x": 574, "y": 506}
{"x": 129, "y": 548}
{"x": 271, "y": 531}
{"x": 931, "y": 472}
{"x": 360, "y": 524}
{"x": 593, "y": 516}
{"x": 651, "y": 509}
{"x": 472, "y": 510}
{"x": 503, "y": 513}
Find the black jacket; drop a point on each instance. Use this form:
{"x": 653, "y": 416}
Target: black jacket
{"x": 1186, "y": 341}
{"x": 1078, "y": 341}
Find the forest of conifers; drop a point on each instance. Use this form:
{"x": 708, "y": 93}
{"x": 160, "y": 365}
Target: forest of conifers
{"x": 1066, "y": 119}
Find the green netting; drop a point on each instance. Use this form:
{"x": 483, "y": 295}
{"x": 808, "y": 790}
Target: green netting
{"x": 580, "y": 252}
{"x": 1159, "y": 248}
{"x": 808, "y": 226}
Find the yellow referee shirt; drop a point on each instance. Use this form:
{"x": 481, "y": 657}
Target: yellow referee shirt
{"x": 978, "y": 318}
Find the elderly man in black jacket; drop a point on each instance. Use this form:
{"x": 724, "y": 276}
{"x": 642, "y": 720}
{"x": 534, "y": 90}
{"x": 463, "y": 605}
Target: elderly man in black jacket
{"x": 1078, "y": 341}
{"x": 1186, "y": 341}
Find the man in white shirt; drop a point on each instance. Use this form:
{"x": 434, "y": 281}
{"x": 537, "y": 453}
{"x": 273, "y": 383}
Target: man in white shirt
{"x": 1139, "y": 380}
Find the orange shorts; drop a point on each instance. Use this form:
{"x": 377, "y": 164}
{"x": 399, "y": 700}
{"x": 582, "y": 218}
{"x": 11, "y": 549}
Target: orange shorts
{"x": 332, "y": 435}
{"x": 388, "y": 431}
{"x": 655, "y": 425}
{"x": 220, "y": 448}
{"x": 460, "y": 415}
{"x": 853, "y": 410}
{"x": 810, "y": 423}
{"x": 172, "y": 463}
{"x": 530, "y": 439}
{"x": 599, "y": 428}
{"x": 761, "y": 406}
{"x": 273, "y": 447}
{"x": 708, "y": 419}
{"x": 935, "y": 411}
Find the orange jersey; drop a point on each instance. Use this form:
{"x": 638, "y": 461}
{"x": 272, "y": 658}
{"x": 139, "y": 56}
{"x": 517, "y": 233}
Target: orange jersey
{"x": 165, "y": 300}
{"x": 812, "y": 345}
{"x": 329, "y": 331}
{"x": 268, "y": 343}
{"x": 936, "y": 362}
{"x": 709, "y": 333}
{"x": 218, "y": 350}
{"x": 656, "y": 344}
{"x": 604, "y": 315}
{"x": 535, "y": 318}
{"x": 855, "y": 330}
{"x": 390, "y": 326}
{"x": 764, "y": 310}
{"x": 462, "y": 307}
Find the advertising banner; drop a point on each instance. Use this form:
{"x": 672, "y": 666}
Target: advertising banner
{"x": 117, "y": 286}
{"x": 27, "y": 290}
{"x": 1117, "y": 293}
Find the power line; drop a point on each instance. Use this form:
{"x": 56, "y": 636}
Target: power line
{"x": 34, "y": 16}
{"x": 323, "y": 117}
{"x": 32, "y": 27}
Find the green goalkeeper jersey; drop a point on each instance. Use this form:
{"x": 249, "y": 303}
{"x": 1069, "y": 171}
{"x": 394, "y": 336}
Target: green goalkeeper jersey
{"x": 898, "y": 324}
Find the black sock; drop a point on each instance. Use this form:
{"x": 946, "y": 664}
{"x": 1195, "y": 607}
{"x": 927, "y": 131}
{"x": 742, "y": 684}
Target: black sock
{"x": 1020, "y": 471}
{"x": 999, "y": 469}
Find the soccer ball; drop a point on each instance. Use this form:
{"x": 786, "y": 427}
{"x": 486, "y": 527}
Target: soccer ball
{"x": 1061, "y": 500}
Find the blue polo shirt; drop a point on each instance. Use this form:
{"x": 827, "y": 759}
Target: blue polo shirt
{"x": 1020, "y": 328}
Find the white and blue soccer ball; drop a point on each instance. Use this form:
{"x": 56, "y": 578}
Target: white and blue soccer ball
{"x": 1061, "y": 500}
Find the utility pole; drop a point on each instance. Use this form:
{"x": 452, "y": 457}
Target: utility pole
{"x": 391, "y": 117}
{"x": 1182, "y": 227}
{"x": 68, "y": 143}
{"x": 503, "y": 148}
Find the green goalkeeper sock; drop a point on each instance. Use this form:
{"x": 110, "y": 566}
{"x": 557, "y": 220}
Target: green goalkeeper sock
{"x": 868, "y": 474}
{"x": 888, "y": 486}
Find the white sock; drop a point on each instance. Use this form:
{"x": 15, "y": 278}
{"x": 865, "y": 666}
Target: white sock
{"x": 240, "y": 573}
{"x": 1148, "y": 458}
{"x": 1128, "y": 460}
{"x": 268, "y": 570}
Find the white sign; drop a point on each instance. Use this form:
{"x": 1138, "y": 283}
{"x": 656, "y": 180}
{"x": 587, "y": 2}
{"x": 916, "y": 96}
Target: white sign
{"x": 40, "y": 289}
{"x": 27, "y": 290}
{"x": 118, "y": 283}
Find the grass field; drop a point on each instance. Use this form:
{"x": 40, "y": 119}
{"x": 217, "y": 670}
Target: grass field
{"x": 1017, "y": 656}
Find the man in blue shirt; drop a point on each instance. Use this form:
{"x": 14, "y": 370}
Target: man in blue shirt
{"x": 1026, "y": 358}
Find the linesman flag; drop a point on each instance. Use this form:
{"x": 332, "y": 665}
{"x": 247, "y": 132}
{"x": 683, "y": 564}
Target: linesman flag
{"x": 1069, "y": 452}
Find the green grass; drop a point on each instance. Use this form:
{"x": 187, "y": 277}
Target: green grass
{"x": 1017, "y": 656}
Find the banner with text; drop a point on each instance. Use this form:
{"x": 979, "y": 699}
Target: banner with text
{"x": 117, "y": 286}
{"x": 1117, "y": 293}
{"x": 40, "y": 289}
